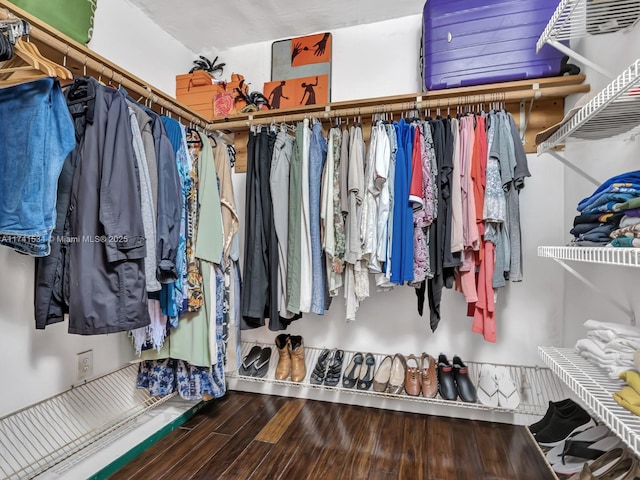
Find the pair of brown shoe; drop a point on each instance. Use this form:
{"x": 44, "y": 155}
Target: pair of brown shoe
{"x": 291, "y": 358}
{"x": 421, "y": 376}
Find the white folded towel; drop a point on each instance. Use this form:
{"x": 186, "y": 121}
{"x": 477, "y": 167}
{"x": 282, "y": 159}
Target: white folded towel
{"x": 588, "y": 345}
{"x": 622, "y": 345}
{"x": 619, "y": 329}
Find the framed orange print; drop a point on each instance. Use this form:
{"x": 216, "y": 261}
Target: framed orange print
{"x": 311, "y": 49}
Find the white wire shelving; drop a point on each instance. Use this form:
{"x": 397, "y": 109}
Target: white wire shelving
{"x": 595, "y": 388}
{"x": 626, "y": 257}
{"x": 579, "y": 18}
{"x": 613, "y": 113}
{"x": 38, "y": 437}
{"x": 537, "y": 385}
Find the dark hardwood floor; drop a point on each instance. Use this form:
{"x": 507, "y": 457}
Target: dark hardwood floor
{"x": 248, "y": 436}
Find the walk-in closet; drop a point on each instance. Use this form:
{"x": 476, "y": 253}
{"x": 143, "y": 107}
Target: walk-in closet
{"x": 353, "y": 240}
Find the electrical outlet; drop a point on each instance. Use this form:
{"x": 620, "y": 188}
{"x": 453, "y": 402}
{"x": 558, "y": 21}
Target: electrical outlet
{"x": 85, "y": 365}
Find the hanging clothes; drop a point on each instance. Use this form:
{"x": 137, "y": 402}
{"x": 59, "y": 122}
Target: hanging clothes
{"x": 36, "y": 136}
{"x": 90, "y": 277}
{"x": 402, "y": 240}
{"x": 317, "y": 157}
{"x": 279, "y": 187}
{"x": 261, "y": 242}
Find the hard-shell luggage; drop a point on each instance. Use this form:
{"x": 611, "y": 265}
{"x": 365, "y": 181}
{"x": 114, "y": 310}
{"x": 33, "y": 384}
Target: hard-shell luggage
{"x": 474, "y": 42}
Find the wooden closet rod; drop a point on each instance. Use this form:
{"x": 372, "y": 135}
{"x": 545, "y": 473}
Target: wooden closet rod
{"x": 264, "y": 118}
{"x": 89, "y": 60}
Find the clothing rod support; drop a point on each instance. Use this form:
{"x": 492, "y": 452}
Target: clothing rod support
{"x": 574, "y": 168}
{"x": 571, "y": 53}
{"x": 595, "y": 288}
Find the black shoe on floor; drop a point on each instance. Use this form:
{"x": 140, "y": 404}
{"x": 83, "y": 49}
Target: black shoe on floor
{"x": 553, "y": 406}
{"x": 562, "y": 424}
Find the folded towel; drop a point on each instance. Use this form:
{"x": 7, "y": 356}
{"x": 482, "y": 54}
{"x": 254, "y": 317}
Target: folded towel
{"x": 601, "y": 337}
{"x": 613, "y": 371}
{"x": 619, "y": 329}
{"x": 622, "y": 345}
{"x": 588, "y": 345}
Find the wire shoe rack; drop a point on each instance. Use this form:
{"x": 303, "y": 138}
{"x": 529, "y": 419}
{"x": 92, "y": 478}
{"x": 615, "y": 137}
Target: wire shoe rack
{"x": 38, "y": 437}
{"x": 537, "y": 385}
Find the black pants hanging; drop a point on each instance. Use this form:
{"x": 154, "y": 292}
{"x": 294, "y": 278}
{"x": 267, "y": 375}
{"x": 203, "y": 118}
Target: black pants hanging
{"x": 260, "y": 293}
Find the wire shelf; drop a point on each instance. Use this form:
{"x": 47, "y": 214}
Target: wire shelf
{"x": 537, "y": 385}
{"x": 579, "y": 18}
{"x": 595, "y": 388}
{"x": 626, "y": 257}
{"x": 36, "y": 438}
{"x": 613, "y": 113}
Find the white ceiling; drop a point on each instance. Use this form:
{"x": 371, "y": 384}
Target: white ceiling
{"x": 206, "y": 25}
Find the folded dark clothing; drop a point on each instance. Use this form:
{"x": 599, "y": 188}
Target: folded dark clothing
{"x": 587, "y": 243}
{"x": 583, "y": 228}
{"x": 609, "y": 218}
{"x": 600, "y": 234}
{"x": 588, "y": 218}
{"x": 632, "y": 212}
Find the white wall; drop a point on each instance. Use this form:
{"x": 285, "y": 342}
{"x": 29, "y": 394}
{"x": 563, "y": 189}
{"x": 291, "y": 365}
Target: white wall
{"x": 370, "y": 60}
{"x": 38, "y": 364}
{"x": 382, "y": 59}
{"x": 124, "y": 35}
{"x": 601, "y": 160}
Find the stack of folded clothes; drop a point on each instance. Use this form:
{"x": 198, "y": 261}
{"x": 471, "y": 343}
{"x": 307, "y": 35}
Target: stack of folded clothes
{"x": 610, "y": 346}
{"x": 611, "y": 215}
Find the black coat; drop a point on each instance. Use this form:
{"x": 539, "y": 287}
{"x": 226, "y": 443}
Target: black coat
{"x": 95, "y": 271}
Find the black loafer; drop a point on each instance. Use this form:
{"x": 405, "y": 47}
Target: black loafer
{"x": 249, "y": 360}
{"x": 261, "y": 365}
{"x": 465, "y": 387}
{"x": 446, "y": 383}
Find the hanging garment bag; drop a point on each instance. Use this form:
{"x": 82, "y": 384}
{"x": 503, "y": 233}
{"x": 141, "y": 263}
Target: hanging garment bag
{"x": 474, "y": 42}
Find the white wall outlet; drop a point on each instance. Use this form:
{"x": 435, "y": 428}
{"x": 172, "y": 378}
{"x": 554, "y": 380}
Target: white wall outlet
{"x": 85, "y": 365}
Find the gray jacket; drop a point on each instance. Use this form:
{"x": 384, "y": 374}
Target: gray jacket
{"x": 97, "y": 269}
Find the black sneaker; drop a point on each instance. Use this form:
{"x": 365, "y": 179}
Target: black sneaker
{"x": 562, "y": 424}
{"x": 553, "y": 406}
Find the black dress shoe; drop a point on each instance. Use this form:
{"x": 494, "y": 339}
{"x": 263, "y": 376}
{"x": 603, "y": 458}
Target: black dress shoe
{"x": 261, "y": 365}
{"x": 335, "y": 369}
{"x": 320, "y": 370}
{"x": 352, "y": 372}
{"x": 366, "y": 372}
{"x": 466, "y": 388}
{"x": 249, "y": 360}
{"x": 446, "y": 383}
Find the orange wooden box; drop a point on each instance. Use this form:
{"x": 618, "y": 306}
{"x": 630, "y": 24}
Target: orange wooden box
{"x": 190, "y": 80}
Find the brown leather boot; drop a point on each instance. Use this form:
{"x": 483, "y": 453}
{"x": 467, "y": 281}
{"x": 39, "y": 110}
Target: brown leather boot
{"x": 283, "y": 369}
{"x": 298, "y": 368}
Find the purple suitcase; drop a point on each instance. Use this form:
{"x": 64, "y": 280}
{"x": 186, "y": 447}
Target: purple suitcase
{"x": 473, "y": 42}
